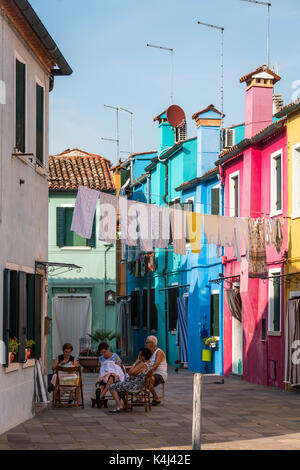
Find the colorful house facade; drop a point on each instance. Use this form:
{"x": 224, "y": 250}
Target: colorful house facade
{"x": 78, "y": 298}
{"x": 254, "y": 174}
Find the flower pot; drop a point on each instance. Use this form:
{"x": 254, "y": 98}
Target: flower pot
{"x": 11, "y": 357}
{"x": 206, "y": 355}
{"x": 88, "y": 362}
{"x": 27, "y": 353}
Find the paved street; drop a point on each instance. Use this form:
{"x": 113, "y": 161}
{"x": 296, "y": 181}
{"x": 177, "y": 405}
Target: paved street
{"x": 236, "y": 415}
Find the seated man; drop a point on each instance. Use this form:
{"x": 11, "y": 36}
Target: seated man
{"x": 159, "y": 367}
{"x": 105, "y": 382}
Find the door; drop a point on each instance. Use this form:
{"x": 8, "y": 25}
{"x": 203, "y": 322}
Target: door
{"x": 214, "y": 314}
{"x": 237, "y": 346}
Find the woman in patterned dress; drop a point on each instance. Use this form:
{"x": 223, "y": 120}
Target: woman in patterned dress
{"x": 135, "y": 381}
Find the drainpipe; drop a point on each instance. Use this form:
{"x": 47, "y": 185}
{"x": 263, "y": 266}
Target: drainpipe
{"x": 107, "y": 248}
{"x": 166, "y": 265}
{"x": 148, "y": 276}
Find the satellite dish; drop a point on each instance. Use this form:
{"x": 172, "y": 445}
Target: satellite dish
{"x": 175, "y": 116}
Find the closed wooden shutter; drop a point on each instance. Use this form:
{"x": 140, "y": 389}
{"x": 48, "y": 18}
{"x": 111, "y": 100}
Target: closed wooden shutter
{"x": 145, "y": 308}
{"x": 40, "y": 123}
{"x": 22, "y": 316}
{"x": 277, "y": 309}
{"x": 6, "y": 312}
{"x": 236, "y": 195}
{"x": 173, "y": 311}
{"x": 30, "y": 309}
{"x": 92, "y": 241}
{"x": 153, "y": 311}
{"x": 215, "y": 201}
{"x": 20, "y": 105}
{"x": 38, "y": 315}
{"x": 278, "y": 184}
{"x": 60, "y": 226}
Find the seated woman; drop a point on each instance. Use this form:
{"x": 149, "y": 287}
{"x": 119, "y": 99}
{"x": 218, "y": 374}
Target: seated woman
{"x": 135, "y": 381}
{"x": 105, "y": 379}
{"x": 63, "y": 360}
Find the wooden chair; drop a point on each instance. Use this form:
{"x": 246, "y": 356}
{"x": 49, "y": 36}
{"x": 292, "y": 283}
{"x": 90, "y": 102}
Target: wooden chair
{"x": 68, "y": 379}
{"x": 162, "y": 396}
{"x": 103, "y": 402}
{"x": 145, "y": 393}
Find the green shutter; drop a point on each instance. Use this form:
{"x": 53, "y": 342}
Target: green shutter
{"x": 214, "y": 315}
{"x": 6, "y": 312}
{"x": 215, "y": 201}
{"x": 92, "y": 241}
{"x": 40, "y": 123}
{"x": 20, "y": 106}
{"x": 236, "y": 196}
{"x": 60, "y": 226}
{"x": 38, "y": 315}
{"x": 30, "y": 308}
{"x": 278, "y": 184}
{"x": 22, "y": 316}
{"x": 276, "y": 321}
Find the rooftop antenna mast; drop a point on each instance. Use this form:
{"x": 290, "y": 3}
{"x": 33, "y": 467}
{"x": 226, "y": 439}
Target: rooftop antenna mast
{"x": 131, "y": 123}
{"x": 222, "y": 63}
{"x": 117, "y": 140}
{"x": 268, "y": 4}
{"x": 172, "y": 65}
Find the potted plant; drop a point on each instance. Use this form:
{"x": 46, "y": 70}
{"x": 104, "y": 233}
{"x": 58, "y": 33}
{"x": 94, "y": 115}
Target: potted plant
{"x": 88, "y": 358}
{"x": 29, "y": 343}
{"x": 13, "y": 347}
{"x": 211, "y": 342}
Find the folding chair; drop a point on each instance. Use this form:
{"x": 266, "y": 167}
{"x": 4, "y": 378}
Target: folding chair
{"x": 68, "y": 379}
{"x": 145, "y": 393}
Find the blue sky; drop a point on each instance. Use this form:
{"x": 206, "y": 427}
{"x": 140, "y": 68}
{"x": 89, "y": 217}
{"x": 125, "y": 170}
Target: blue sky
{"x": 104, "y": 41}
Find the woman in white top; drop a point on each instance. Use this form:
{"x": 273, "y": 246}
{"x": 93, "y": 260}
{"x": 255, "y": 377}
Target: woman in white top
{"x": 159, "y": 367}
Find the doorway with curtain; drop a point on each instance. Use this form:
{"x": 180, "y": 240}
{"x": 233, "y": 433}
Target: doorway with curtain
{"x": 71, "y": 320}
{"x": 234, "y": 303}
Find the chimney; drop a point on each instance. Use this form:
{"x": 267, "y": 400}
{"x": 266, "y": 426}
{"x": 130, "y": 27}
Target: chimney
{"x": 208, "y": 122}
{"x": 277, "y": 103}
{"x": 259, "y": 99}
{"x": 166, "y": 132}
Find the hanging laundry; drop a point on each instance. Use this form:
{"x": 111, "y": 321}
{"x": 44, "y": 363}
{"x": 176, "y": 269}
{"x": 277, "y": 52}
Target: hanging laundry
{"x": 84, "y": 211}
{"x": 240, "y": 232}
{"x": 164, "y": 228}
{"x": 155, "y": 212}
{"x": 226, "y": 231}
{"x": 211, "y": 228}
{"x": 128, "y": 221}
{"x": 144, "y": 228}
{"x": 194, "y": 222}
{"x": 257, "y": 249}
{"x": 130, "y": 254}
{"x": 108, "y": 218}
{"x": 152, "y": 266}
{"x": 279, "y": 235}
{"x": 137, "y": 268}
{"x": 178, "y": 227}
{"x": 273, "y": 232}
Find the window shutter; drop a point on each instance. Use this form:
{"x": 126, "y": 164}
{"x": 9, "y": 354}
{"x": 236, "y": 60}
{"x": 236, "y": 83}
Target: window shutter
{"x": 30, "y": 308}
{"x": 276, "y": 307}
{"x": 92, "y": 241}
{"x": 214, "y": 314}
{"x": 38, "y": 315}
{"x": 145, "y": 308}
{"x": 236, "y": 196}
{"x": 60, "y": 226}
{"x": 20, "y": 106}
{"x": 135, "y": 308}
{"x": 40, "y": 123}
{"x": 278, "y": 183}
{"x": 153, "y": 311}
{"x": 22, "y": 316}
{"x": 6, "y": 312}
{"x": 173, "y": 312}
{"x": 215, "y": 201}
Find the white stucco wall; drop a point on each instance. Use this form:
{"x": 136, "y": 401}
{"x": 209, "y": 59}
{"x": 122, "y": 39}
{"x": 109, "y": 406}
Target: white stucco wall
{"x": 23, "y": 208}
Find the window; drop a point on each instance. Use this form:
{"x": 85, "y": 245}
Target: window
{"x": 215, "y": 200}
{"x": 20, "y": 105}
{"x": 145, "y": 308}
{"x": 214, "y": 314}
{"x": 40, "y": 123}
{"x": 65, "y": 236}
{"x": 234, "y": 194}
{"x": 173, "y": 312}
{"x": 22, "y": 309}
{"x": 276, "y": 182}
{"x": 296, "y": 185}
{"x": 153, "y": 311}
{"x": 274, "y": 302}
{"x": 135, "y": 308}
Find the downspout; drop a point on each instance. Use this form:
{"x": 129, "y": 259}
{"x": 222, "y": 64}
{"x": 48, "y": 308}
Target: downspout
{"x": 166, "y": 265}
{"x": 222, "y": 190}
{"x": 148, "y": 275}
{"x": 107, "y": 248}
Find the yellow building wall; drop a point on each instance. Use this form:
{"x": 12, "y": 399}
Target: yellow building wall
{"x": 293, "y": 262}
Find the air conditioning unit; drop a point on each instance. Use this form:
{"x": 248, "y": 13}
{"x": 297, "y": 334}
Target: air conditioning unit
{"x": 228, "y": 138}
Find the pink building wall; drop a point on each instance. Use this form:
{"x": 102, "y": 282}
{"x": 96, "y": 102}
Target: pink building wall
{"x": 254, "y": 168}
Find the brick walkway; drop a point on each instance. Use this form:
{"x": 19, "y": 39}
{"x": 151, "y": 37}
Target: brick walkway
{"x": 236, "y": 415}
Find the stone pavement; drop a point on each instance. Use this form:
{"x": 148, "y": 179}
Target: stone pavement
{"x": 235, "y": 415}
